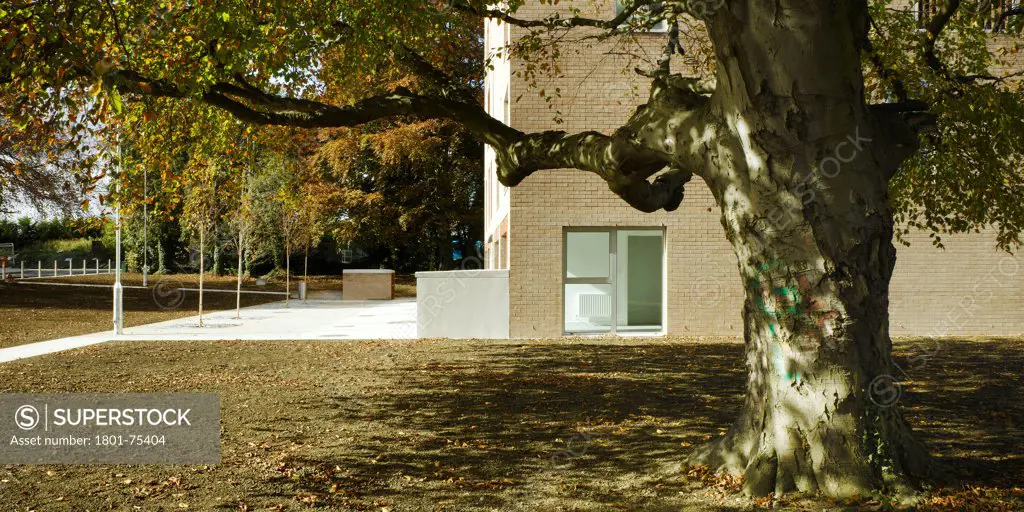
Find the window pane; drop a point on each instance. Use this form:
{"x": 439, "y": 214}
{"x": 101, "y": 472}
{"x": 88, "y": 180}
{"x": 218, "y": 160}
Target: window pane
{"x": 587, "y": 254}
{"x": 639, "y": 280}
{"x": 588, "y": 308}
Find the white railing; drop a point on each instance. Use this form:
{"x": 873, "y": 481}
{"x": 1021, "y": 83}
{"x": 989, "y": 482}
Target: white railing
{"x": 12, "y": 270}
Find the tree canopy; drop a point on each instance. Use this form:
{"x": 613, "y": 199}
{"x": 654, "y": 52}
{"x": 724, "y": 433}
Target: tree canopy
{"x": 70, "y": 69}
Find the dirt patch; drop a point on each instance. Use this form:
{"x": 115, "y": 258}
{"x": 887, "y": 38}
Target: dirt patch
{"x": 474, "y": 425}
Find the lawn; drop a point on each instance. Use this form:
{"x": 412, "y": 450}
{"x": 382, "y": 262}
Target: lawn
{"x": 34, "y": 312}
{"x": 58, "y": 250}
{"x": 475, "y": 425}
{"x": 405, "y": 285}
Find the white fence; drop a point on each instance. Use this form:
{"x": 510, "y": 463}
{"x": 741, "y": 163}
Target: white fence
{"x": 14, "y": 269}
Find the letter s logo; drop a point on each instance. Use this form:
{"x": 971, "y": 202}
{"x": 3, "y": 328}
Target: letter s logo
{"x": 26, "y": 417}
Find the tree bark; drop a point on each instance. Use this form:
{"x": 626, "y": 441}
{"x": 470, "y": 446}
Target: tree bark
{"x": 820, "y": 412}
{"x": 161, "y": 258}
{"x": 217, "y": 264}
{"x": 800, "y": 168}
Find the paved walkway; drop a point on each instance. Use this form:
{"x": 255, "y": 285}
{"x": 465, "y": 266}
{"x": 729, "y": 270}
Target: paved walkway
{"x": 315, "y": 320}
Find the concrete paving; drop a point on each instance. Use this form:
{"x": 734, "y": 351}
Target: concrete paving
{"x": 315, "y": 320}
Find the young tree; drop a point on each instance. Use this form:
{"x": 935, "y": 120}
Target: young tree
{"x": 242, "y": 220}
{"x": 266, "y": 238}
{"x": 317, "y": 212}
{"x": 200, "y": 213}
{"x": 289, "y": 224}
{"x": 208, "y": 195}
{"x": 795, "y": 89}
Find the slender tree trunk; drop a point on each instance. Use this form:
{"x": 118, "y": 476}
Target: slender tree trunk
{"x": 443, "y": 253}
{"x": 165, "y": 251}
{"x": 305, "y": 273}
{"x": 202, "y": 270}
{"x": 161, "y": 258}
{"x": 800, "y": 170}
{"x": 218, "y": 264}
{"x": 287, "y": 271}
{"x": 238, "y": 290}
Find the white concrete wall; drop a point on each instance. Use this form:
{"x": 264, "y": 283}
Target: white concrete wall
{"x": 462, "y": 304}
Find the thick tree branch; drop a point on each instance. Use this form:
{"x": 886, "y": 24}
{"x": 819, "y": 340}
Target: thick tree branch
{"x": 555, "y": 20}
{"x": 887, "y": 74}
{"x": 900, "y": 124}
{"x": 626, "y": 159}
{"x": 933, "y": 30}
{"x": 1007, "y": 14}
{"x": 665, "y": 193}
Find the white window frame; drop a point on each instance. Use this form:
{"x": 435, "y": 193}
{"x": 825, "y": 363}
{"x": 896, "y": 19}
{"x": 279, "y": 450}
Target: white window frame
{"x": 612, "y": 279}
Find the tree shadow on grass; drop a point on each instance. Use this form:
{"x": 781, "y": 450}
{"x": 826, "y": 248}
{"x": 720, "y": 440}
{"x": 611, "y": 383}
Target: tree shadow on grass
{"x": 559, "y": 422}
{"x": 966, "y": 402}
{"x": 584, "y": 426}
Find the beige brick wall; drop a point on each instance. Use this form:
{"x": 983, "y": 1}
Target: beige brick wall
{"x": 933, "y": 292}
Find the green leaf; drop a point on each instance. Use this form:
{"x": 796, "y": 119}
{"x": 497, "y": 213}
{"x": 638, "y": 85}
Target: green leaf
{"x": 115, "y": 101}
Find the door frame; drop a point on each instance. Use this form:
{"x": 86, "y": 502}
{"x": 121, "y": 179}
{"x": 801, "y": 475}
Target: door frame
{"x": 612, "y": 279}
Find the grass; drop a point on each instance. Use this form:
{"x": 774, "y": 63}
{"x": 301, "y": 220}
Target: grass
{"x": 482, "y": 425}
{"x": 46, "y": 252}
{"x": 33, "y": 312}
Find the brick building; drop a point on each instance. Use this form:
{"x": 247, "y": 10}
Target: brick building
{"x": 581, "y": 261}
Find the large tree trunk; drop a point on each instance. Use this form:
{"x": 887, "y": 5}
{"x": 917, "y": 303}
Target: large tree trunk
{"x": 821, "y": 410}
{"x": 800, "y": 170}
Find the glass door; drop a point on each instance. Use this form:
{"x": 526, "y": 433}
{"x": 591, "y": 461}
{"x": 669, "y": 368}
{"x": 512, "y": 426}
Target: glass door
{"x": 638, "y": 280}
